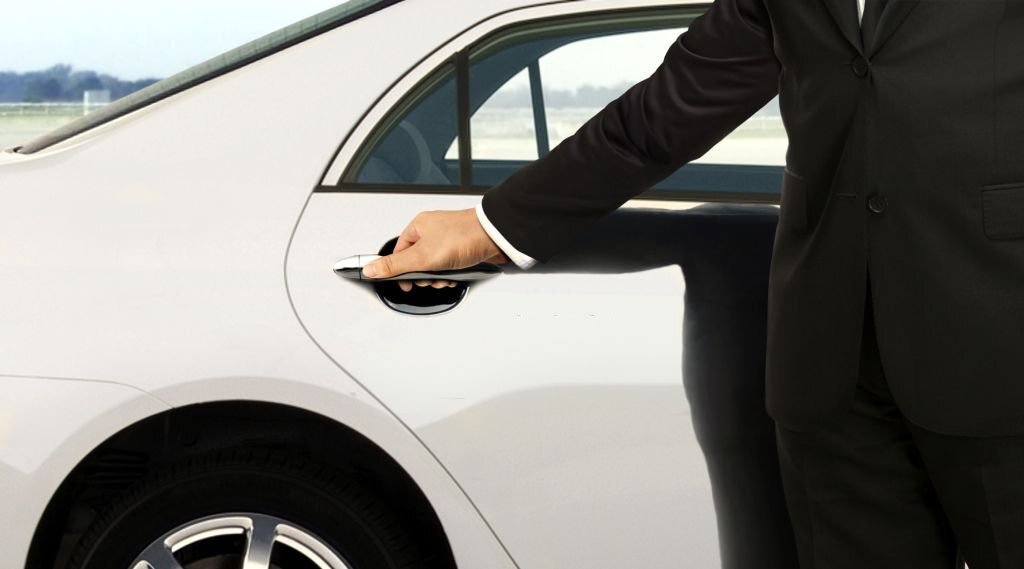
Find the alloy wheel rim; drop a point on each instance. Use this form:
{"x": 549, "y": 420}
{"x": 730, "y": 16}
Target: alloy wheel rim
{"x": 256, "y": 538}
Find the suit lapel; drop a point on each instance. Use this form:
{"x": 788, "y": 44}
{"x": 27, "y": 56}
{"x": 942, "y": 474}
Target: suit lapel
{"x": 844, "y": 12}
{"x": 893, "y": 15}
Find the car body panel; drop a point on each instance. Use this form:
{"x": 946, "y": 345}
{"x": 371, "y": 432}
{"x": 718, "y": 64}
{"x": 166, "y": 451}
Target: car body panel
{"x": 566, "y": 423}
{"x": 45, "y": 425}
{"x": 147, "y": 256}
{"x": 164, "y": 269}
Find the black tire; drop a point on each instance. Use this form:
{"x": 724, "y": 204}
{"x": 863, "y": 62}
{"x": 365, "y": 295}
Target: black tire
{"x": 322, "y": 500}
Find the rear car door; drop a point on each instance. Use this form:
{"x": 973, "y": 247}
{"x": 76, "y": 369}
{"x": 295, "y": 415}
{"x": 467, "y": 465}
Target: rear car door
{"x": 554, "y": 396}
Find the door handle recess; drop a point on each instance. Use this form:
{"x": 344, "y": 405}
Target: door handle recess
{"x": 352, "y": 268}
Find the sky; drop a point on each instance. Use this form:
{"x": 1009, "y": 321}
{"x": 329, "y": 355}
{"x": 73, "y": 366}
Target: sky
{"x": 132, "y": 39}
{"x": 135, "y": 39}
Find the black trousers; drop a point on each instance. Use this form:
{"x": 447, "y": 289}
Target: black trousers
{"x": 878, "y": 491}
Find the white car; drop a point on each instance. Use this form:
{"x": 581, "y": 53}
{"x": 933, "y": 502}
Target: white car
{"x": 187, "y": 382}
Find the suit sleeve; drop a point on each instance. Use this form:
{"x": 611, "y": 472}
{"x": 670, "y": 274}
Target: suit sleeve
{"x": 715, "y": 75}
{"x": 522, "y": 260}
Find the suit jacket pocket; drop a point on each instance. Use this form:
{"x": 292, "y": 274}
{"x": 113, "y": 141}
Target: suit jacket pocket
{"x": 1002, "y": 211}
{"x": 793, "y": 204}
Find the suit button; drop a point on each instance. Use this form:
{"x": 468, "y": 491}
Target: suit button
{"x": 877, "y": 204}
{"x": 860, "y": 67}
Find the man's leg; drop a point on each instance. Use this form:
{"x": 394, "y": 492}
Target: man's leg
{"x": 980, "y": 482}
{"x": 858, "y": 494}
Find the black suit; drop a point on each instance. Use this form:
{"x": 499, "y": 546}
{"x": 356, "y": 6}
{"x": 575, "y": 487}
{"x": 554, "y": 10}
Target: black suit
{"x": 926, "y": 124}
{"x": 905, "y": 172}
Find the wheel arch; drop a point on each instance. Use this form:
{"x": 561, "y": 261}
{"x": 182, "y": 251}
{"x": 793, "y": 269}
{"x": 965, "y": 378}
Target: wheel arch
{"x": 143, "y": 447}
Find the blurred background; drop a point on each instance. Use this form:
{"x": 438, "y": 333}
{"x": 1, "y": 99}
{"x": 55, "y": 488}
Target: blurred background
{"x": 60, "y": 59}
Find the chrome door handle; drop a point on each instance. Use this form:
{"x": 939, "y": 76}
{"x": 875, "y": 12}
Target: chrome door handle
{"x": 352, "y": 268}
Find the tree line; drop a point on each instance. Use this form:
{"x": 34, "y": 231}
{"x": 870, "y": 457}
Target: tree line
{"x": 61, "y": 83}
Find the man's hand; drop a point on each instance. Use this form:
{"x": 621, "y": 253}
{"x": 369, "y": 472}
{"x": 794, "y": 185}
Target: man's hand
{"x": 437, "y": 240}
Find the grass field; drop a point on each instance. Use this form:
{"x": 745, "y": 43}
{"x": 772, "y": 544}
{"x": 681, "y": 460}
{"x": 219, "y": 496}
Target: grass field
{"x": 20, "y": 127}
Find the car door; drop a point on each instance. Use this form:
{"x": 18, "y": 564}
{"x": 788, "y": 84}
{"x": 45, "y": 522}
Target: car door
{"x": 555, "y": 397}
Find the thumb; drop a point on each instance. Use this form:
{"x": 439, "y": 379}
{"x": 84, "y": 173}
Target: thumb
{"x": 404, "y": 261}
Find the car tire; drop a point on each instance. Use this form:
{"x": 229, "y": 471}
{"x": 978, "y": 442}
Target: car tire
{"x": 326, "y": 505}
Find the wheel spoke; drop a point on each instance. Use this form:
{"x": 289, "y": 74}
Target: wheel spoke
{"x": 216, "y": 538}
{"x": 158, "y": 557}
{"x": 260, "y": 543}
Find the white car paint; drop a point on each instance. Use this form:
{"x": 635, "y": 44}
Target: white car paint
{"x": 46, "y": 427}
{"x": 142, "y": 268}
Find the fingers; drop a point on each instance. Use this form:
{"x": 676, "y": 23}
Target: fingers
{"x": 439, "y": 284}
{"x": 409, "y": 236}
{"x": 407, "y": 286}
{"x": 423, "y": 283}
{"x": 392, "y": 264}
{"x": 403, "y": 261}
{"x": 437, "y": 240}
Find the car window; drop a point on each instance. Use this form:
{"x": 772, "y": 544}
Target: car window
{"x": 407, "y": 150}
{"x": 578, "y": 84}
{"x": 531, "y": 87}
{"x": 504, "y": 127}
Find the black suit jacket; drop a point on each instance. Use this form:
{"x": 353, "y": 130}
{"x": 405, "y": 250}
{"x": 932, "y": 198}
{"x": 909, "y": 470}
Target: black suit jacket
{"x": 905, "y": 164}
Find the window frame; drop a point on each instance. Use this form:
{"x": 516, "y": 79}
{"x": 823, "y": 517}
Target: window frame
{"x": 660, "y": 16}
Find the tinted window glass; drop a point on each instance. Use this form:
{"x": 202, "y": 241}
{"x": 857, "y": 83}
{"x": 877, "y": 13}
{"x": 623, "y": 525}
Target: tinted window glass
{"x": 412, "y": 149}
{"x": 531, "y": 88}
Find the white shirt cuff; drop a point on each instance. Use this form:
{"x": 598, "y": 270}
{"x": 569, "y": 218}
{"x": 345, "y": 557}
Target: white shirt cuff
{"x": 522, "y": 260}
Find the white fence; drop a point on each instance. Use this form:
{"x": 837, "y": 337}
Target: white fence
{"x": 47, "y": 109}
{"x": 20, "y": 122}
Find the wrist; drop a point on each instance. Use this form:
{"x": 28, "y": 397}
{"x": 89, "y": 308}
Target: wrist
{"x": 491, "y": 247}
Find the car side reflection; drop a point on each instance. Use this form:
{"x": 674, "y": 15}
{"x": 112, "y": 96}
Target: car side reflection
{"x": 724, "y": 251}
